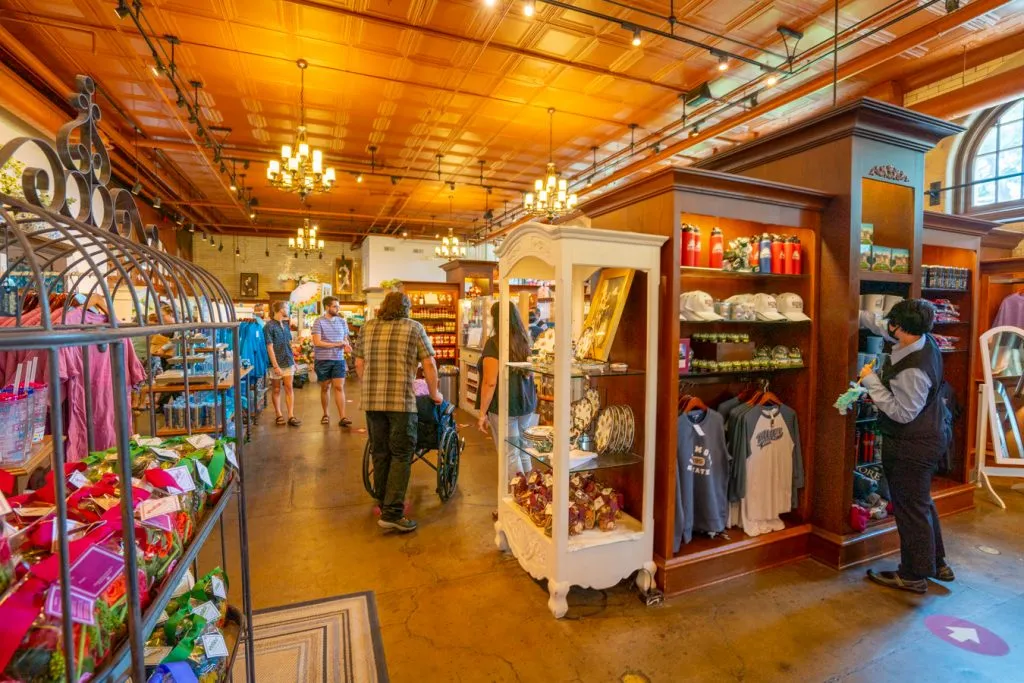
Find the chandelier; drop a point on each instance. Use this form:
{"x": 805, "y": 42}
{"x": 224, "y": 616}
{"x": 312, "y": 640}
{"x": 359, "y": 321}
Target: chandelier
{"x": 551, "y": 196}
{"x": 300, "y": 168}
{"x": 306, "y": 241}
{"x": 450, "y": 247}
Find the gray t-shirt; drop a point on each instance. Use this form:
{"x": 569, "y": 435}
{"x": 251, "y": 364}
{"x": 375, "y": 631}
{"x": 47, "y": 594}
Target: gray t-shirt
{"x": 702, "y": 475}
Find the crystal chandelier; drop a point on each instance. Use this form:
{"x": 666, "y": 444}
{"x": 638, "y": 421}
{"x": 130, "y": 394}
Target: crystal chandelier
{"x": 551, "y": 196}
{"x": 450, "y": 248}
{"x": 306, "y": 242}
{"x": 304, "y": 172}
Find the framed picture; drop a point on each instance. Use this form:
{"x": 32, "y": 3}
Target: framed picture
{"x": 344, "y": 275}
{"x": 249, "y": 285}
{"x": 606, "y": 308}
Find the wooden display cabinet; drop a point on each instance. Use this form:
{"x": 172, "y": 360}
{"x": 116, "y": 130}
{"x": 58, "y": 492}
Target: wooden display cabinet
{"x": 435, "y": 305}
{"x": 871, "y": 156}
{"x": 739, "y": 207}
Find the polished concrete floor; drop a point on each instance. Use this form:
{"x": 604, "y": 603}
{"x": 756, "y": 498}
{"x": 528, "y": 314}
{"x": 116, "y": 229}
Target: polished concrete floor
{"x": 453, "y": 608}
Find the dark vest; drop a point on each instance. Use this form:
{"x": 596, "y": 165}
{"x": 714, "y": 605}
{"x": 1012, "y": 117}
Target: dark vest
{"x": 930, "y": 423}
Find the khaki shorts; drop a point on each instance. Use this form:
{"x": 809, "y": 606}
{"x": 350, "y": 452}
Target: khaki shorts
{"x": 284, "y": 372}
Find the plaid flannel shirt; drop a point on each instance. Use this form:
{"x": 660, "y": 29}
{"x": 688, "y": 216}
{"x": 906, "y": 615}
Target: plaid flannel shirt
{"x": 391, "y": 351}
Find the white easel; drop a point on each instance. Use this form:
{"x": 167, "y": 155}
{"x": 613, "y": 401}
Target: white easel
{"x": 988, "y": 423}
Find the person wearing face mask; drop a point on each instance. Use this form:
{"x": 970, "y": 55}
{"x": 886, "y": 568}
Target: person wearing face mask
{"x": 914, "y": 423}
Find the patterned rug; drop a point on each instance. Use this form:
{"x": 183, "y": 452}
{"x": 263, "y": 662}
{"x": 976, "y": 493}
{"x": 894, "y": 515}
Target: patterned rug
{"x": 336, "y": 640}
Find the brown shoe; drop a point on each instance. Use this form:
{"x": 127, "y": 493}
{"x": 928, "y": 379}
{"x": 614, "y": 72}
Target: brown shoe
{"x": 894, "y": 580}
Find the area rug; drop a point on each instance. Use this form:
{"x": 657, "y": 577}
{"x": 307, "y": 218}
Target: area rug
{"x": 336, "y": 640}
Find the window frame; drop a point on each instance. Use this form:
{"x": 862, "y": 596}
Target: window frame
{"x": 963, "y": 197}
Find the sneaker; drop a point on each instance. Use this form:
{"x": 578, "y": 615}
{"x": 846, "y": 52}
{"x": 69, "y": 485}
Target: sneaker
{"x": 945, "y": 573}
{"x": 894, "y": 580}
{"x": 403, "y": 525}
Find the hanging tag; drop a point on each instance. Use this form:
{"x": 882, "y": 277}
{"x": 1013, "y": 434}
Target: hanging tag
{"x": 215, "y": 646}
{"x": 183, "y": 480}
{"x": 207, "y": 611}
{"x": 166, "y": 454}
{"x": 204, "y": 474}
{"x": 149, "y": 442}
{"x": 78, "y": 480}
{"x": 5, "y": 507}
{"x": 155, "y": 655}
{"x": 154, "y": 507}
{"x": 162, "y": 522}
{"x": 218, "y": 588}
{"x": 106, "y": 502}
{"x": 34, "y": 511}
{"x": 229, "y": 453}
{"x": 200, "y": 441}
{"x": 82, "y": 611}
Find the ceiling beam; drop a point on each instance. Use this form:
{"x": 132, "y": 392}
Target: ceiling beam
{"x": 327, "y": 215}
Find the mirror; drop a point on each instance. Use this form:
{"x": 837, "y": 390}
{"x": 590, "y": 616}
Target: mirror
{"x": 1002, "y": 407}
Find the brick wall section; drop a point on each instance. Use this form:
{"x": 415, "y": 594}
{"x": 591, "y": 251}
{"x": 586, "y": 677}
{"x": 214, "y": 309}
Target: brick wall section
{"x": 227, "y": 267}
{"x": 969, "y": 76}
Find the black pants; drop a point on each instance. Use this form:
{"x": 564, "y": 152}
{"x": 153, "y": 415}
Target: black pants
{"x": 909, "y": 466}
{"x": 392, "y": 442}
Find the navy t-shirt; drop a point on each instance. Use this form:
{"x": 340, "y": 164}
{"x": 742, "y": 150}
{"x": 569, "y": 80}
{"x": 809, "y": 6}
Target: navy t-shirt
{"x": 702, "y": 475}
{"x": 280, "y": 336}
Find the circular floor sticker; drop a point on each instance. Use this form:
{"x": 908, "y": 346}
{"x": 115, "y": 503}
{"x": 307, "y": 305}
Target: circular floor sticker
{"x": 966, "y": 635}
{"x": 988, "y": 550}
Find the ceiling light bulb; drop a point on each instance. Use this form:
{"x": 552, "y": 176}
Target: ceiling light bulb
{"x": 237, "y": 252}
{"x": 286, "y": 151}
{"x": 234, "y": 188}
{"x": 771, "y": 80}
{"x": 359, "y": 178}
{"x": 528, "y": 8}
{"x": 490, "y": 3}
{"x": 723, "y": 63}
{"x": 636, "y": 37}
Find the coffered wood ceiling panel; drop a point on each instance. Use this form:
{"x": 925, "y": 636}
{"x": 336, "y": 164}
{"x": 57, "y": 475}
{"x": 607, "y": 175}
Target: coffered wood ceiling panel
{"x": 418, "y": 78}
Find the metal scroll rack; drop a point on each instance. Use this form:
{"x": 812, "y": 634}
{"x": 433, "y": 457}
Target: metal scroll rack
{"x": 102, "y": 252}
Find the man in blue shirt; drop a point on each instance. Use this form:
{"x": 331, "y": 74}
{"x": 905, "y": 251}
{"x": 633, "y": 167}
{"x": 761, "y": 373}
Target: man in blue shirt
{"x": 330, "y": 342}
{"x": 278, "y": 335}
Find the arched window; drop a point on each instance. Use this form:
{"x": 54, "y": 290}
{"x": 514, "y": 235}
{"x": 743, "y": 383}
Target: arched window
{"x": 991, "y": 165}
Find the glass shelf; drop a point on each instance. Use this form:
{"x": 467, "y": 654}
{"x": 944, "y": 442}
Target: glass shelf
{"x": 578, "y": 372}
{"x": 601, "y": 462}
{"x": 717, "y": 272}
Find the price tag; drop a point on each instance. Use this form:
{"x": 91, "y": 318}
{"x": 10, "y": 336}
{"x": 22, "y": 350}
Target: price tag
{"x": 200, "y": 441}
{"x": 218, "y": 588}
{"x": 78, "y": 480}
{"x": 5, "y": 507}
{"x": 155, "y": 655}
{"x": 215, "y": 645}
{"x": 204, "y": 474}
{"x": 162, "y": 522}
{"x": 697, "y": 429}
{"x": 207, "y": 611}
{"x": 598, "y": 503}
{"x": 183, "y": 480}
{"x": 71, "y": 526}
{"x": 140, "y": 484}
{"x": 106, "y": 502}
{"x": 229, "y": 453}
{"x": 94, "y": 570}
{"x": 166, "y": 454}
{"x": 34, "y": 511}
{"x": 154, "y": 507}
{"x": 81, "y": 606}
{"x": 149, "y": 442}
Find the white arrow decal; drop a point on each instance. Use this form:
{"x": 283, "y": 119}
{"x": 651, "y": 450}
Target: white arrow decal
{"x": 963, "y": 635}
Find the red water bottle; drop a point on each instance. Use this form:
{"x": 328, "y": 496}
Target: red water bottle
{"x": 717, "y": 252}
{"x": 787, "y": 256}
{"x": 755, "y": 252}
{"x": 797, "y": 265}
{"x": 696, "y": 246}
{"x": 777, "y": 265}
{"x": 687, "y": 246}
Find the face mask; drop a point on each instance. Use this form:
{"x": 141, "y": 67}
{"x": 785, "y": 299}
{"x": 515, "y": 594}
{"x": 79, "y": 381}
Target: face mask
{"x": 892, "y": 330}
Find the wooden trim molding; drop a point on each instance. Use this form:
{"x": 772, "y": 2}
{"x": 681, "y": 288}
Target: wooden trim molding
{"x": 1002, "y": 239}
{"x": 962, "y": 225}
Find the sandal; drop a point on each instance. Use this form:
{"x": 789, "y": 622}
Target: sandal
{"x": 325, "y": 420}
{"x": 294, "y": 422}
{"x": 344, "y": 422}
{"x": 280, "y": 420}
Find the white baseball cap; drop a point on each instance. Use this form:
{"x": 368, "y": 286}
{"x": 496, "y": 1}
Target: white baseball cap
{"x": 767, "y": 308}
{"x": 698, "y": 305}
{"x": 792, "y": 306}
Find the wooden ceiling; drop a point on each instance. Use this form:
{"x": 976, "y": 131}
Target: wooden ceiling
{"x": 419, "y": 78}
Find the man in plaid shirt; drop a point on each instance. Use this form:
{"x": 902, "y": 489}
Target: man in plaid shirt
{"x": 388, "y": 351}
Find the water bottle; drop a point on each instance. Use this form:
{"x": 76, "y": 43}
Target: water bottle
{"x": 765, "y": 254}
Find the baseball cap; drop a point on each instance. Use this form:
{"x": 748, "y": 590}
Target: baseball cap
{"x": 791, "y": 306}
{"x": 767, "y": 308}
{"x": 698, "y": 305}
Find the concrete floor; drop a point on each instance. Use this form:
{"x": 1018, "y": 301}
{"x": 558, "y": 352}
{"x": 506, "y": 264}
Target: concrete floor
{"x": 455, "y": 609}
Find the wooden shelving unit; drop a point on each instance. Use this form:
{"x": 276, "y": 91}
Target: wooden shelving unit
{"x": 739, "y": 207}
{"x": 434, "y": 315}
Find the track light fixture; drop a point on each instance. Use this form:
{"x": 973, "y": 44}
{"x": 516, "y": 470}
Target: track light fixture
{"x": 753, "y": 100}
{"x": 636, "y": 36}
{"x": 220, "y": 247}
{"x": 771, "y": 81}
{"x": 122, "y": 10}
{"x": 191, "y": 227}
{"x": 723, "y": 61}
{"x": 137, "y": 188}
{"x": 952, "y": 5}
{"x": 359, "y": 177}
{"x": 204, "y": 236}
{"x": 157, "y": 202}
{"x": 529, "y": 9}
{"x": 694, "y": 131}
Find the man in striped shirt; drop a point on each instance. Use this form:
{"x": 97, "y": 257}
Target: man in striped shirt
{"x": 330, "y": 341}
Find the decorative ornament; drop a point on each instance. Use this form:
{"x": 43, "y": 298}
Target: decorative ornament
{"x": 889, "y": 172}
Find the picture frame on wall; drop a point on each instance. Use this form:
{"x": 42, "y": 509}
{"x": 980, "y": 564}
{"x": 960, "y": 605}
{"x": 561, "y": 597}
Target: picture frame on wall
{"x": 607, "y": 304}
{"x": 249, "y": 285}
{"x": 344, "y": 275}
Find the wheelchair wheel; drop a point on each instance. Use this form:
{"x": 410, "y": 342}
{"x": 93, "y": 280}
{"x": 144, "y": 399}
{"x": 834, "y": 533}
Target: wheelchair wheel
{"x": 368, "y": 469}
{"x": 448, "y": 465}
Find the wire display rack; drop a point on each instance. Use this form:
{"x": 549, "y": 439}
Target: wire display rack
{"x": 101, "y": 252}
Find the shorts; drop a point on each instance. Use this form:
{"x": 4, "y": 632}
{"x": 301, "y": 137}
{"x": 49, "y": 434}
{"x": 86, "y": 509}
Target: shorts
{"x": 285, "y": 372}
{"x": 330, "y": 369}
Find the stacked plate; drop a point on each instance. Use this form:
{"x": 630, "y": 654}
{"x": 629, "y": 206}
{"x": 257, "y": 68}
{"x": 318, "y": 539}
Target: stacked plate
{"x": 616, "y": 430}
{"x": 540, "y": 437}
{"x": 582, "y": 414}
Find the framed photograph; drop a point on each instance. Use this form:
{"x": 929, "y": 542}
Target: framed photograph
{"x": 249, "y": 285}
{"x": 606, "y": 308}
{"x": 344, "y": 275}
